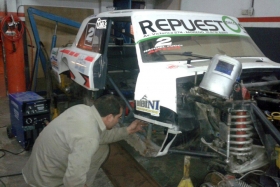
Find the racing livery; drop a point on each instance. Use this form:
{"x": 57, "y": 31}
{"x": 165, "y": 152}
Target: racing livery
{"x": 198, "y": 76}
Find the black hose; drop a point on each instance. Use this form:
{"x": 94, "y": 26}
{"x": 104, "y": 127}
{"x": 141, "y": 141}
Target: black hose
{"x": 48, "y": 71}
{"x": 10, "y": 175}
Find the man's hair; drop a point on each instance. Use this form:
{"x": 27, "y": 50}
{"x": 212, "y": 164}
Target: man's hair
{"x": 108, "y": 104}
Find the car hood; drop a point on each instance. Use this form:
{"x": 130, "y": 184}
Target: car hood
{"x": 183, "y": 69}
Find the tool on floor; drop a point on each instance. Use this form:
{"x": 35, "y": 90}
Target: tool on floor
{"x": 186, "y": 180}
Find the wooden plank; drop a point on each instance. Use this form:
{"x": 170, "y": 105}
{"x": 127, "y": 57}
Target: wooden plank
{"x": 124, "y": 171}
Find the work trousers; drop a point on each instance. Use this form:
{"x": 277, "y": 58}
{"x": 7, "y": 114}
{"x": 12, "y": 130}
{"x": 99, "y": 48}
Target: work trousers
{"x": 97, "y": 159}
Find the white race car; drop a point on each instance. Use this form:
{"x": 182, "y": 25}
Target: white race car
{"x": 197, "y": 76}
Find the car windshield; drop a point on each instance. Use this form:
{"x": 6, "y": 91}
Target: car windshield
{"x": 175, "y": 48}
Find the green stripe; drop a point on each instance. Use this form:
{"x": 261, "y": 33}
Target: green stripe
{"x": 176, "y": 35}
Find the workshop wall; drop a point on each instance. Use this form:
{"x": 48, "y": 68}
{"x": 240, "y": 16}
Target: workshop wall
{"x": 65, "y": 34}
{"x": 168, "y": 4}
{"x": 261, "y": 19}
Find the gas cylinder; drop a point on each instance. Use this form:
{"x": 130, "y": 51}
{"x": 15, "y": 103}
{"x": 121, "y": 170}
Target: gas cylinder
{"x": 12, "y": 30}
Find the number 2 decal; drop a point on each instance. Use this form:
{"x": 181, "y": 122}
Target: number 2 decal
{"x": 90, "y": 34}
{"x": 163, "y": 41}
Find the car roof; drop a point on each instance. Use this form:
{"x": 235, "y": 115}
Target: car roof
{"x": 132, "y": 12}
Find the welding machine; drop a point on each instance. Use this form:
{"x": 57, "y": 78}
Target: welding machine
{"x": 29, "y": 113}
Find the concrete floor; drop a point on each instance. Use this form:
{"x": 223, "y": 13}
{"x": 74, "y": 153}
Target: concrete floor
{"x": 9, "y": 163}
{"x": 166, "y": 170}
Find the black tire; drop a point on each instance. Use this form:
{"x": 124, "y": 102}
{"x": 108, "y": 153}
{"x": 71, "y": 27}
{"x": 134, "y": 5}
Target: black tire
{"x": 9, "y": 132}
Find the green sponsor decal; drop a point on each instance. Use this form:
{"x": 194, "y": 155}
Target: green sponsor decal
{"x": 231, "y": 22}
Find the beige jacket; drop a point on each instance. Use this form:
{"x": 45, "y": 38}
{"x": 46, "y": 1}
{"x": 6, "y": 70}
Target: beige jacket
{"x": 62, "y": 153}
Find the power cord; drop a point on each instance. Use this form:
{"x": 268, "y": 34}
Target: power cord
{"x": 4, "y": 151}
{"x": 2, "y": 183}
{"x": 10, "y": 175}
{"x": 3, "y": 154}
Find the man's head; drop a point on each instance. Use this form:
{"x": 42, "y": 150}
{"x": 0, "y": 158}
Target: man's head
{"x": 110, "y": 109}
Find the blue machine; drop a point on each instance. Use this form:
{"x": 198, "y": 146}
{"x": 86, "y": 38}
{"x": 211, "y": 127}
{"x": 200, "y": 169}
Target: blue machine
{"x": 29, "y": 113}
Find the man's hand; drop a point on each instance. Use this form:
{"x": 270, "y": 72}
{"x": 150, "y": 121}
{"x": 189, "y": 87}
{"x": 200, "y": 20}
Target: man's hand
{"x": 136, "y": 126}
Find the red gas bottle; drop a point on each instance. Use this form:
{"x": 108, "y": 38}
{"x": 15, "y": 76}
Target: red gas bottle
{"x": 12, "y": 29}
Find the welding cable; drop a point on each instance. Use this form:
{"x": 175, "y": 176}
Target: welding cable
{"x": 29, "y": 45}
{"x": 48, "y": 71}
{"x": 31, "y": 48}
{"x": 2, "y": 183}
{"x": 4, "y": 152}
{"x": 10, "y": 175}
